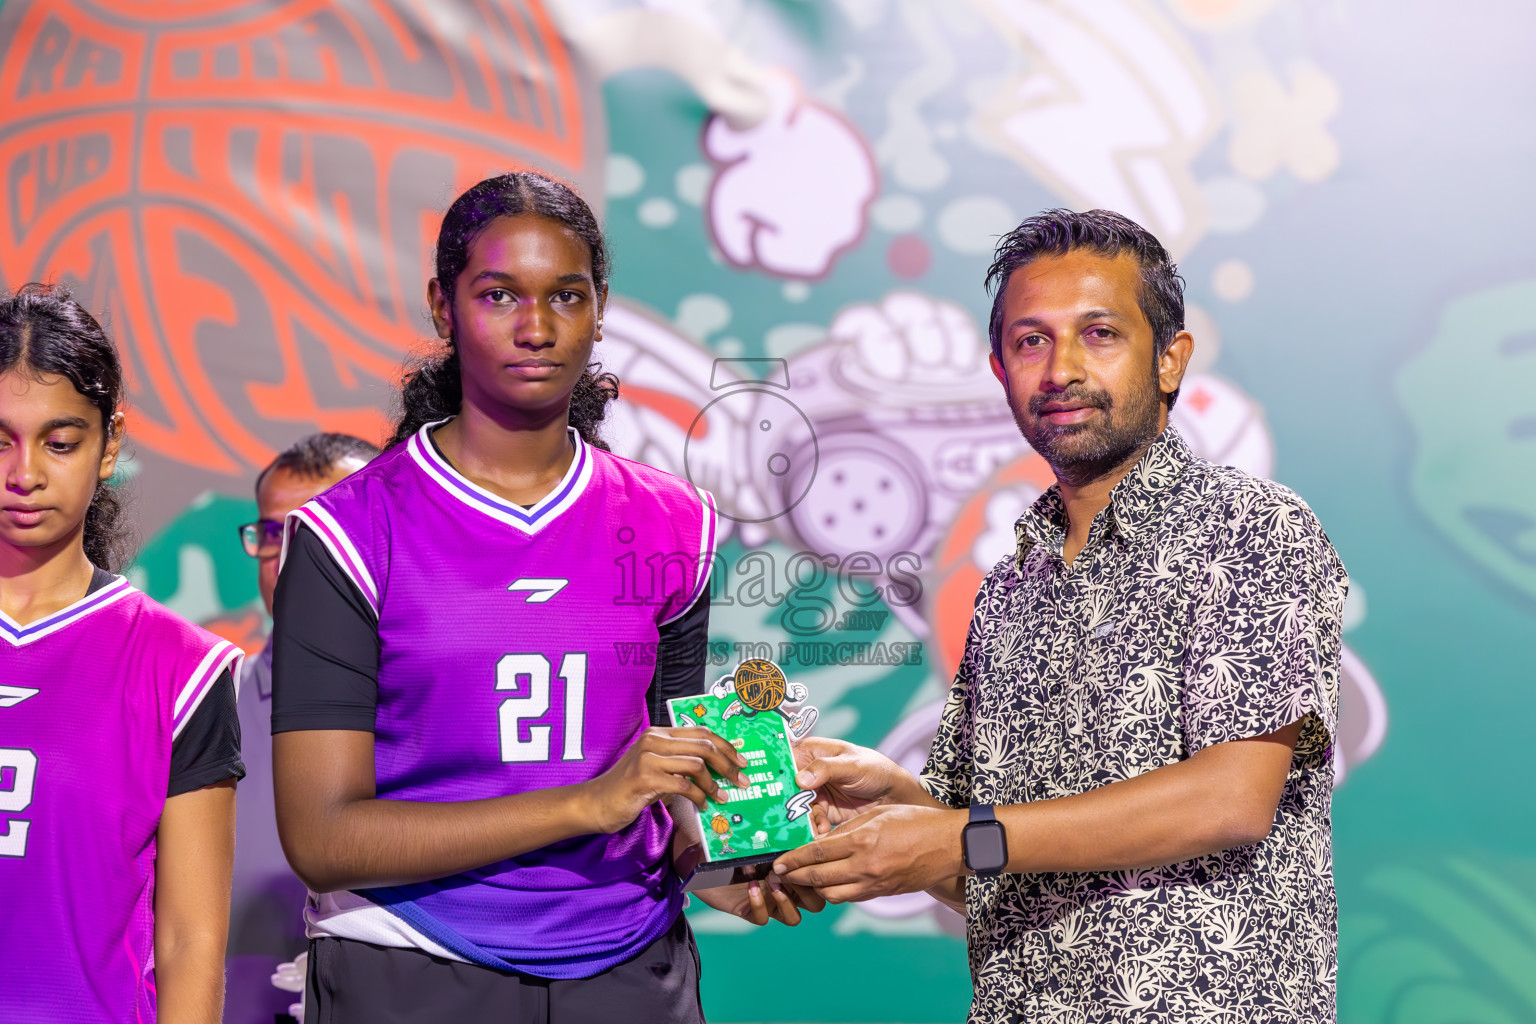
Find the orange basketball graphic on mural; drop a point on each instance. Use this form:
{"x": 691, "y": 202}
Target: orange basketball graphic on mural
{"x": 250, "y": 193}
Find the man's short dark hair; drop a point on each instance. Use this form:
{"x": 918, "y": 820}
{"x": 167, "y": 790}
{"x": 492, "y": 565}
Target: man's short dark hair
{"x": 1057, "y": 232}
{"x": 313, "y": 457}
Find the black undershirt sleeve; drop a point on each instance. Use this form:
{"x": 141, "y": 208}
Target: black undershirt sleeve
{"x": 681, "y": 660}
{"x": 325, "y": 644}
{"x": 208, "y": 749}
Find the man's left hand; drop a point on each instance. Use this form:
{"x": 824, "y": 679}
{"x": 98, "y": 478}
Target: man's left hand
{"x": 888, "y": 849}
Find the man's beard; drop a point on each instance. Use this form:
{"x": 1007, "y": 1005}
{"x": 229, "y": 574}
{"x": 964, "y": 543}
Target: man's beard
{"x": 1083, "y": 452}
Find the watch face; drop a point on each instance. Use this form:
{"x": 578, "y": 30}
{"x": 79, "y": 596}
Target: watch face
{"x": 986, "y": 847}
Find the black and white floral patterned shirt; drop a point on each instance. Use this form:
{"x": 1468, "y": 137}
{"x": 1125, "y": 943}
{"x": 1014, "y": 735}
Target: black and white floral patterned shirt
{"x": 1207, "y": 606}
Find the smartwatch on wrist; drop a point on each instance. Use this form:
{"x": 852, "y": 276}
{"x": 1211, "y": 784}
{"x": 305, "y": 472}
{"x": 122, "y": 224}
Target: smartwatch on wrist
{"x": 984, "y": 842}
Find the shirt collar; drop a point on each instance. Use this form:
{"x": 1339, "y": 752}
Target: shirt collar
{"x": 1134, "y": 502}
{"x": 258, "y": 669}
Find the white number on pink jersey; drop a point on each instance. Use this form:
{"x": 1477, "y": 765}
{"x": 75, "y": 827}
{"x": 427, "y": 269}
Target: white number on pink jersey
{"x": 23, "y": 765}
{"x": 515, "y": 711}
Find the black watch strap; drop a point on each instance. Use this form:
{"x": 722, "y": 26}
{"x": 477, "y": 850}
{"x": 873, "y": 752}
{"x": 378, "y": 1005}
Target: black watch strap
{"x": 982, "y": 812}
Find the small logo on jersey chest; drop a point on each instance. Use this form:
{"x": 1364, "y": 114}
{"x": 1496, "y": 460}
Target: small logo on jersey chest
{"x": 538, "y": 588}
{"x": 10, "y": 696}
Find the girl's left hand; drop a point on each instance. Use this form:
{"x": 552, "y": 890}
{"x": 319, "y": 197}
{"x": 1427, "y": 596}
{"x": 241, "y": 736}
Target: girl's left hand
{"x": 760, "y": 901}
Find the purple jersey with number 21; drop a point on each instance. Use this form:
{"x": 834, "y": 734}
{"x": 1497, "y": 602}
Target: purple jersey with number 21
{"x": 91, "y": 699}
{"x": 507, "y": 664}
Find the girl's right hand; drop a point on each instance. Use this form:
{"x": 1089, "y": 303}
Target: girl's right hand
{"x": 662, "y": 762}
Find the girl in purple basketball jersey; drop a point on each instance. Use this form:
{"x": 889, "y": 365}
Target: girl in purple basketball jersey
{"x": 467, "y": 773}
{"x": 119, "y": 742}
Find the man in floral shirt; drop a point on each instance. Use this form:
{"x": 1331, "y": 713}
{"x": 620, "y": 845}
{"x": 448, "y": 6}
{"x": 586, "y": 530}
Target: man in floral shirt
{"x": 1140, "y": 732}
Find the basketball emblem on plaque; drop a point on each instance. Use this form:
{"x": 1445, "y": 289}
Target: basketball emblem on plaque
{"x": 760, "y": 686}
{"x": 736, "y": 837}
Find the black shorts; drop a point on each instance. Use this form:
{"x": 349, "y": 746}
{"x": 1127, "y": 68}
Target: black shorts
{"x": 360, "y": 983}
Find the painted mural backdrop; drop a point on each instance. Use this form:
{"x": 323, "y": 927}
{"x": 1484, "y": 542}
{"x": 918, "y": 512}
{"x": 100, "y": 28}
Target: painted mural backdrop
{"x": 802, "y": 199}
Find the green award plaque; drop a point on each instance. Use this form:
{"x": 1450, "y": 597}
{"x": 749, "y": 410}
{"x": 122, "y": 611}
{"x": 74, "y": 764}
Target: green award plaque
{"x": 757, "y": 712}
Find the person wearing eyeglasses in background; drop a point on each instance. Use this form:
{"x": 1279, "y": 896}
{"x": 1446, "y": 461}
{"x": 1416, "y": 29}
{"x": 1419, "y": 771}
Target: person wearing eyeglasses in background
{"x": 266, "y": 926}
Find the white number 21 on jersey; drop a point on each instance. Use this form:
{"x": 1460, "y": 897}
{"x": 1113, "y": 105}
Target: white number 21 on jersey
{"x": 516, "y": 712}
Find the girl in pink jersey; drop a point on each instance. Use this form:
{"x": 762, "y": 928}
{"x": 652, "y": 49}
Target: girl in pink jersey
{"x": 119, "y": 744}
{"x": 468, "y": 776}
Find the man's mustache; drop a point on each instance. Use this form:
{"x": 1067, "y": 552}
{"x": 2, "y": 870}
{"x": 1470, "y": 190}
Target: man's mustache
{"x": 1072, "y": 396}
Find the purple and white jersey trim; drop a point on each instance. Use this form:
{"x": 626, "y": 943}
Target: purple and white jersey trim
{"x": 336, "y": 541}
{"x": 224, "y": 656}
{"x": 706, "y": 553}
{"x": 527, "y": 520}
{"x": 19, "y": 635}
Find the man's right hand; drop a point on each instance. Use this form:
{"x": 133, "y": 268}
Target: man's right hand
{"x": 662, "y": 762}
{"x": 849, "y": 779}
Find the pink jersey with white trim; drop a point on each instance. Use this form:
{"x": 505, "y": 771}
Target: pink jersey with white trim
{"x": 507, "y": 663}
{"x": 91, "y": 699}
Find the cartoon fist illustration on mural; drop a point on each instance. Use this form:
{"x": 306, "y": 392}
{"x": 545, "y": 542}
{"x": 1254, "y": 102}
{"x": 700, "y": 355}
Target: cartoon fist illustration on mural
{"x": 910, "y": 337}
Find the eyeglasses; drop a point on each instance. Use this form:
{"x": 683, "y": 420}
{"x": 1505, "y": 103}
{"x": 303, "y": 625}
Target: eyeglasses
{"x": 262, "y": 539}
